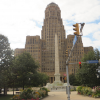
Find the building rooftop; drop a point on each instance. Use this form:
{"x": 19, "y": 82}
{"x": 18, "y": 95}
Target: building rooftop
{"x": 52, "y": 4}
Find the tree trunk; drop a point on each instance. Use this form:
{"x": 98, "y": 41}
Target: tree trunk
{"x": 23, "y": 84}
{"x": 13, "y": 87}
{"x": 0, "y": 90}
{"x": 5, "y": 91}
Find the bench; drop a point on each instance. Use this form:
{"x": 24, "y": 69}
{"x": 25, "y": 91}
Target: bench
{"x": 18, "y": 93}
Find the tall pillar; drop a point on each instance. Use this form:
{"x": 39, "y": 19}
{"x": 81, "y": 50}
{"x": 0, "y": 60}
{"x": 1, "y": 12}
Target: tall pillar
{"x": 57, "y": 74}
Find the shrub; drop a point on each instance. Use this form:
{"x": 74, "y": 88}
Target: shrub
{"x": 79, "y": 89}
{"x": 27, "y": 94}
{"x": 86, "y": 90}
{"x": 97, "y": 89}
{"x": 45, "y": 90}
{"x": 30, "y": 94}
{"x": 96, "y": 92}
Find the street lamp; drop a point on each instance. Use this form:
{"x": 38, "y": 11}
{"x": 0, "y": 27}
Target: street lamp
{"x": 29, "y": 81}
{"x": 98, "y": 75}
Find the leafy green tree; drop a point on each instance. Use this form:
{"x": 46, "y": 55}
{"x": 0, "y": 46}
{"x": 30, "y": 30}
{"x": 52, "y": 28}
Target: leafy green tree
{"x": 42, "y": 79}
{"x": 6, "y": 56}
{"x": 73, "y": 81}
{"x": 24, "y": 68}
{"x": 38, "y": 79}
{"x": 87, "y": 74}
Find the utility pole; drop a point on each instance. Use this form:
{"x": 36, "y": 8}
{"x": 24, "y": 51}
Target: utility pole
{"x": 77, "y": 33}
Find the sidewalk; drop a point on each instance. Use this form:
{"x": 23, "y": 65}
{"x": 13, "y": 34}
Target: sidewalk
{"x": 63, "y": 96}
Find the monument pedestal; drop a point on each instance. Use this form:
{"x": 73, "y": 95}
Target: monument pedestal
{"x": 57, "y": 77}
{"x": 57, "y": 84}
{"x": 57, "y": 81}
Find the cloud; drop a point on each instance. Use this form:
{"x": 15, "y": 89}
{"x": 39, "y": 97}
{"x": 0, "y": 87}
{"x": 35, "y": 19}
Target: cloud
{"x": 19, "y": 18}
{"x": 88, "y": 42}
{"x": 96, "y": 36}
{"x": 81, "y": 10}
{"x": 91, "y": 28}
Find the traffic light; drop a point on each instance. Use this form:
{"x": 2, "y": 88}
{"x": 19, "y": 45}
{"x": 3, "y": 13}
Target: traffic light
{"x": 80, "y": 65}
{"x": 64, "y": 78}
{"x": 76, "y": 29}
{"x": 67, "y": 53}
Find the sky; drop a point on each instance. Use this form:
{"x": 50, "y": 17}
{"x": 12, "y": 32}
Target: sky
{"x": 20, "y": 18}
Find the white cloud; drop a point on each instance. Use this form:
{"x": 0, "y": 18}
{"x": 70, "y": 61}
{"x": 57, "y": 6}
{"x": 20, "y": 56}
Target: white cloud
{"x": 96, "y": 44}
{"x": 81, "y": 10}
{"x": 96, "y": 35}
{"x": 91, "y": 28}
{"x": 88, "y": 42}
{"x": 18, "y": 17}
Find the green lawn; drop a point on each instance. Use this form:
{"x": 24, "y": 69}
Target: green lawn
{"x": 2, "y": 97}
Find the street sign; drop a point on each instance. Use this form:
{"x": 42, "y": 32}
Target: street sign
{"x": 75, "y": 39}
{"x": 92, "y": 61}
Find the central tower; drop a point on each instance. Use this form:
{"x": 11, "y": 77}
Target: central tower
{"x": 52, "y": 25}
{"x": 50, "y": 51}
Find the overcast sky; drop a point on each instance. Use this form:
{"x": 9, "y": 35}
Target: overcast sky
{"x": 19, "y": 18}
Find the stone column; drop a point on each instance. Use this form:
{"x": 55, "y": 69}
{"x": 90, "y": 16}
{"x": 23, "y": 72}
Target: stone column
{"x": 57, "y": 75}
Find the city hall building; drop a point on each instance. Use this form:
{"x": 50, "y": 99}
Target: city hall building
{"x": 43, "y": 50}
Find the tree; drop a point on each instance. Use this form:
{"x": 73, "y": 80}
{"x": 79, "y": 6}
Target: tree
{"x": 24, "y": 68}
{"x": 42, "y": 79}
{"x": 87, "y": 74}
{"x": 6, "y": 55}
{"x": 73, "y": 81}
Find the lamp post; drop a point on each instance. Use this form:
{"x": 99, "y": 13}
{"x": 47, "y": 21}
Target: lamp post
{"x": 97, "y": 76}
{"x": 29, "y": 81}
{"x": 98, "y": 70}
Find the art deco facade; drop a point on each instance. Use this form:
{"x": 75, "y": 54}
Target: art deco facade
{"x": 43, "y": 50}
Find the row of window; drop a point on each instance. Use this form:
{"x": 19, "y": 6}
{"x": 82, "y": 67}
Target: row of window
{"x": 33, "y": 50}
{"x": 19, "y": 51}
{"x": 33, "y": 42}
{"x": 53, "y": 69}
{"x": 33, "y": 47}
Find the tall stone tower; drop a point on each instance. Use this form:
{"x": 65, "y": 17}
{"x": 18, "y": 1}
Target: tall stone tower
{"x": 43, "y": 50}
{"x": 52, "y": 25}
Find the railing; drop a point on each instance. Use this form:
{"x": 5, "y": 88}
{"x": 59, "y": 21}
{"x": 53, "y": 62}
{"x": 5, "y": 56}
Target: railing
{"x": 58, "y": 88}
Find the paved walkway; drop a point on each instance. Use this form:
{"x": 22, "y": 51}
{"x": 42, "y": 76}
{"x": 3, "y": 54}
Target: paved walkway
{"x": 63, "y": 96}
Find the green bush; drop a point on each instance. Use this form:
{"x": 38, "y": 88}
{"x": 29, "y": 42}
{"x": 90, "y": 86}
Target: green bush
{"x": 27, "y": 94}
{"x": 45, "y": 90}
{"x": 79, "y": 89}
{"x": 98, "y": 89}
{"x": 30, "y": 94}
{"x": 88, "y": 91}
{"x": 96, "y": 92}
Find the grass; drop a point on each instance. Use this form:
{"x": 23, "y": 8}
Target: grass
{"x": 8, "y": 97}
